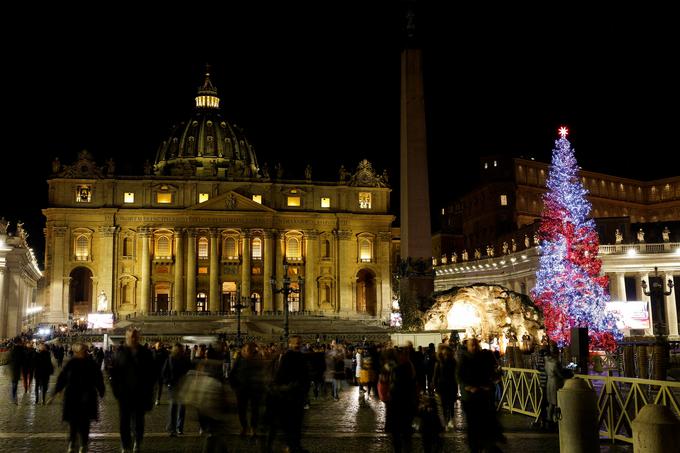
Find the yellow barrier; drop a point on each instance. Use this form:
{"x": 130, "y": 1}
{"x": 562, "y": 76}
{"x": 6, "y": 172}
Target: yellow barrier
{"x": 619, "y": 399}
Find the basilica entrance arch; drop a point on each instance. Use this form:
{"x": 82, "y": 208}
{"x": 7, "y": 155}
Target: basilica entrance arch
{"x": 80, "y": 292}
{"x": 366, "y": 292}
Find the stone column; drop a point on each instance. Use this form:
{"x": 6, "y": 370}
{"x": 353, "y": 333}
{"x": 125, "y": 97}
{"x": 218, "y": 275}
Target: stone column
{"x": 191, "y": 270}
{"x": 311, "y": 261}
{"x": 671, "y": 308}
{"x": 344, "y": 273}
{"x": 384, "y": 254}
{"x": 106, "y": 265}
{"x": 621, "y": 286}
{"x": 641, "y": 296}
{"x": 3, "y": 304}
{"x": 145, "y": 235}
{"x": 214, "y": 297}
{"x": 267, "y": 272}
{"x": 179, "y": 304}
{"x": 245, "y": 268}
{"x": 280, "y": 238}
{"x": 58, "y": 306}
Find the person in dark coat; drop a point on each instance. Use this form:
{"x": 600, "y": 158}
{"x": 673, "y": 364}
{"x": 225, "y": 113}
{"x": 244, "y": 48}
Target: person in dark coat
{"x": 43, "y": 371}
{"x": 160, "y": 356}
{"x": 16, "y": 361}
{"x": 28, "y": 365}
{"x": 247, "y": 380}
{"x": 444, "y": 382}
{"x": 132, "y": 381}
{"x": 81, "y": 379}
{"x": 403, "y": 401}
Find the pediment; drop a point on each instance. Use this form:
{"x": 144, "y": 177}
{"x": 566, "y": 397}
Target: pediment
{"x": 231, "y": 201}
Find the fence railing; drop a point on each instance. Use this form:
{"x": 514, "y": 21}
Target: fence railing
{"x": 619, "y": 399}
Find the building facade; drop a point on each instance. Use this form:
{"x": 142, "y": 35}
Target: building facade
{"x": 207, "y": 227}
{"x": 19, "y": 279}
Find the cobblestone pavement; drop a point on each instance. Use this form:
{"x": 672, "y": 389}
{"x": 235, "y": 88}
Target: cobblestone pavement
{"x": 354, "y": 423}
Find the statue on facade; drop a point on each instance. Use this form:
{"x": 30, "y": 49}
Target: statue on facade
{"x": 478, "y": 254}
{"x": 21, "y": 233}
{"x": 536, "y": 240}
{"x": 102, "y": 302}
{"x": 4, "y": 224}
{"x": 444, "y": 259}
{"x": 56, "y": 165}
{"x": 489, "y": 250}
{"x": 666, "y": 234}
{"x": 464, "y": 255}
{"x": 526, "y": 241}
{"x": 618, "y": 236}
{"x": 308, "y": 172}
{"x": 147, "y": 167}
{"x": 110, "y": 166}
{"x": 278, "y": 168}
{"x": 505, "y": 247}
{"x": 513, "y": 245}
{"x": 342, "y": 174}
{"x": 265, "y": 170}
{"x": 641, "y": 235}
{"x": 454, "y": 257}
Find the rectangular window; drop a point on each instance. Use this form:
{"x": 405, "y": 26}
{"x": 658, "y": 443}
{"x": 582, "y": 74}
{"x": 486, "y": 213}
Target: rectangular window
{"x": 202, "y": 197}
{"x": 504, "y": 200}
{"x": 257, "y": 198}
{"x": 325, "y": 202}
{"x": 129, "y": 197}
{"x": 163, "y": 198}
{"x": 293, "y": 201}
{"x": 83, "y": 194}
{"x": 364, "y": 200}
{"x": 203, "y": 270}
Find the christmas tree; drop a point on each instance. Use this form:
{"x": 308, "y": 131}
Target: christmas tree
{"x": 569, "y": 287}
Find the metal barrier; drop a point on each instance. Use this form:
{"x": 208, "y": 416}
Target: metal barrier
{"x": 619, "y": 399}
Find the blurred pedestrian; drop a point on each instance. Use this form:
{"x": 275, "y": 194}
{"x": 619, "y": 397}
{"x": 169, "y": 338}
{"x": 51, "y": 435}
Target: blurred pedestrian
{"x": 445, "y": 384}
{"x": 28, "y": 365}
{"x": 16, "y": 361}
{"x": 132, "y": 380}
{"x": 160, "y": 356}
{"x": 247, "y": 380}
{"x": 402, "y": 404}
{"x": 175, "y": 368}
{"x": 81, "y": 379}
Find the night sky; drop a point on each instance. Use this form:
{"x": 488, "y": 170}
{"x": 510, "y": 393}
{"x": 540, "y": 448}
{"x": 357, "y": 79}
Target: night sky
{"x": 320, "y": 85}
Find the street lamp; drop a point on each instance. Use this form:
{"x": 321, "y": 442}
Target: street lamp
{"x": 286, "y": 290}
{"x": 656, "y": 291}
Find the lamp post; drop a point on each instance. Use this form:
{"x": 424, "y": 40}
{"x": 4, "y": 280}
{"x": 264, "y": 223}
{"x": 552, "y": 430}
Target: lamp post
{"x": 656, "y": 294}
{"x": 286, "y": 290}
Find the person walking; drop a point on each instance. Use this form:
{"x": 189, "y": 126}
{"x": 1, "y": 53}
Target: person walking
{"x": 81, "y": 380}
{"x": 402, "y": 404}
{"x": 247, "y": 380}
{"x": 28, "y": 365}
{"x": 176, "y": 367}
{"x": 160, "y": 356}
{"x": 43, "y": 371}
{"x": 132, "y": 381}
{"x": 16, "y": 361}
{"x": 445, "y": 384}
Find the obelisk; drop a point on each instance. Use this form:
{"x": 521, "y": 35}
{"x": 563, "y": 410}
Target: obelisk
{"x": 416, "y": 279}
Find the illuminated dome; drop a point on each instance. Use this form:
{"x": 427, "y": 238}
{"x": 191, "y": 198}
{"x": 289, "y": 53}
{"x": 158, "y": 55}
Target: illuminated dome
{"x": 207, "y": 144}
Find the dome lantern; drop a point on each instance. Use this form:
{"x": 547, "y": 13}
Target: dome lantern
{"x": 207, "y": 94}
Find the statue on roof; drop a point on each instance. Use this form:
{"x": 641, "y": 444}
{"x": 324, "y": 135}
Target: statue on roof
{"x": 365, "y": 176}
{"x": 4, "y": 224}
{"x": 308, "y": 172}
{"x": 666, "y": 234}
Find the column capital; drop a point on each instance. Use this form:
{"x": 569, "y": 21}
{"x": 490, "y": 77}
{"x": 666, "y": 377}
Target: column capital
{"x": 270, "y": 233}
{"x": 107, "y": 230}
{"x": 214, "y": 232}
{"x": 144, "y": 231}
{"x": 59, "y": 231}
{"x": 343, "y": 235}
{"x": 178, "y": 232}
{"x": 246, "y": 234}
{"x": 191, "y": 232}
{"x": 385, "y": 236}
{"x": 312, "y": 234}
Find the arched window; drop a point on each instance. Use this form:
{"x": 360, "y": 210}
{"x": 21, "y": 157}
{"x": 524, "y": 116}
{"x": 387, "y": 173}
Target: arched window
{"x": 230, "y": 248}
{"x": 365, "y": 252}
{"x": 257, "y": 249}
{"x": 163, "y": 247}
{"x": 128, "y": 246}
{"x": 326, "y": 248}
{"x": 203, "y": 245}
{"x": 82, "y": 248}
{"x": 293, "y": 248}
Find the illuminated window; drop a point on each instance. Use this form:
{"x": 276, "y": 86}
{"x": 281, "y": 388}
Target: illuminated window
{"x": 202, "y": 197}
{"x": 129, "y": 197}
{"x": 294, "y": 298}
{"x": 293, "y": 248}
{"x": 257, "y": 249}
{"x": 83, "y": 194}
{"x": 82, "y": 248}
{"x": 364, "y": 200}
{"x": 203, "y": 248}
{"x": 201, "y": 301}
{"x": 325, "y": 202}
{"x": 495, "y": 164}
{"x": 504, "y": 200}
{"x": 486, "y": 165}
{"x": 163, "y": 198}
{"x": 365, "y": 254}
{"x": 207, "y": 101}
{"x": 257, "y": 198}
{"x": 203, "y": 270}
{"x": 230, "y": 251}
{"x": 163, "y": 247}
{"x": 293, "y": 201}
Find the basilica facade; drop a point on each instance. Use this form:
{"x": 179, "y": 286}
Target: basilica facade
{"x": 207, "y": 227}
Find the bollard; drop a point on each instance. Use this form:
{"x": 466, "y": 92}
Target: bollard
{"x": 578, "y": 425}
{"x": 655, "y": 430}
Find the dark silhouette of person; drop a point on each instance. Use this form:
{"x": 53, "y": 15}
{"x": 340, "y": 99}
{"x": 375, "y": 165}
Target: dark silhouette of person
{"x": 82, "y": 380}
{"x": 132, "y": 380}
{"x": 43, "y": 371}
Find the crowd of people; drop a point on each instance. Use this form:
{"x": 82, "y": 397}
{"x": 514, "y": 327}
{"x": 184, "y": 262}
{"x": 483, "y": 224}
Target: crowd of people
{"x": 272, "y": 387}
